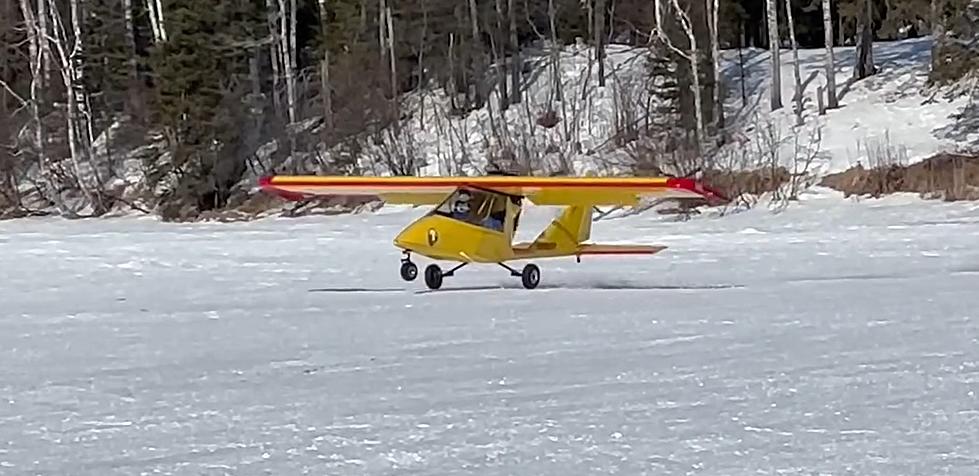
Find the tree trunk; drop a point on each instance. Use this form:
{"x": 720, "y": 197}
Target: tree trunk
{"x": 382, "y": 42}
{"x": 78, "y": 125}
{"x": 161, "y": 19}
{"x": 478, "y": 55}
{"x": 831, "y": 101}
{"x": 42, "y": 23}
{"x": 797, "y": 97}
{"x": 500, "y": 59}
{"x": 694, "y": 58}
{"x": 325, "y": 87}
{"x": 865, "y": 48}
{"x": 274, "y": 55}
{"x": 515, "y": 63}
{"x": 773, "y": 48}
{"x": 555, "y": 51}
{"x": 714, "y": 19}
{"x": 286, "y": 40}
{"x": 600, "y": 40}
{"x": 34, "y": 41}
{"x": 392, "y": 54}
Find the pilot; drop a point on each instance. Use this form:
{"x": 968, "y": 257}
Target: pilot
{"x": 461, "y": 208}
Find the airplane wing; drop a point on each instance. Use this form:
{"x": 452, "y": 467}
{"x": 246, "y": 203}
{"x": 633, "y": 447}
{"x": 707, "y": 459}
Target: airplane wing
{"x": 539, "y": 190}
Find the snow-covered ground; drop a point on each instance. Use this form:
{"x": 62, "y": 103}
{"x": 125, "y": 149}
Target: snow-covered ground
{"x": 892, "y": 109}
{"x": 833, "y": 338}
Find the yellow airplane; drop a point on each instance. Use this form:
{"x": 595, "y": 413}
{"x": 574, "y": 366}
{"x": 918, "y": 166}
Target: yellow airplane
{"x": 474, "y": 218}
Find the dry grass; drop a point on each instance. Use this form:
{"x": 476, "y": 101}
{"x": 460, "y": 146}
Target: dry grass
{"x": 950, "y": 177}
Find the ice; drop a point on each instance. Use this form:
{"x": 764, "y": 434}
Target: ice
{"x": 836, "y": 337}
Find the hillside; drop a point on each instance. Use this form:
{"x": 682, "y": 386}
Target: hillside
{"x": 892, "y": 116}
{"x": 892, "y": 107}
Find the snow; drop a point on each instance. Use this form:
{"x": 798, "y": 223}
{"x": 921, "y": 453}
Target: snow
{"x": 894, "y": 110}
{"x": 835, "y": 337}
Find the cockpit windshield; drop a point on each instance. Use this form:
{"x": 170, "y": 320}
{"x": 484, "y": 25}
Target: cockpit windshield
{"x": 477, "y": 207}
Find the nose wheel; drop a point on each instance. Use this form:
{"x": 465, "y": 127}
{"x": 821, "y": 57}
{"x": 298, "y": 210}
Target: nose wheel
{"x": 409, "y": 271}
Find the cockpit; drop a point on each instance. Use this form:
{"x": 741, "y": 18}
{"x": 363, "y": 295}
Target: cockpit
{"x": 477, "y": 207}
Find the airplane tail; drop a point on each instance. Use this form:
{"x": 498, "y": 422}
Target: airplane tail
{"x": 568, "y": 230}
{"x": 567, "y": 233}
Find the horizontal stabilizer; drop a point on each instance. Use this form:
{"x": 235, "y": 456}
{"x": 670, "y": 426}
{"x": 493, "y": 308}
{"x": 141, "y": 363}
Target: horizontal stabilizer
{"x": 543, "y": 249}
{"x": 619, "y": 249}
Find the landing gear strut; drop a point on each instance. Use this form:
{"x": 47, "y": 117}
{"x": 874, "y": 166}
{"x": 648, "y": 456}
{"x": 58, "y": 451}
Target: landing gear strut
{"x": 434, "y": 275}
{"x": 529, "y": 276}
{"x": 409, "y": 271}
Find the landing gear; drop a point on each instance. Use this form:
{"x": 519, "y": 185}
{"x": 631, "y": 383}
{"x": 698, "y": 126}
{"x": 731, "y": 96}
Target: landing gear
{"x": 433, "y": 276}
{"x": 529, "y": 276}
{"x": 409, "y": 271}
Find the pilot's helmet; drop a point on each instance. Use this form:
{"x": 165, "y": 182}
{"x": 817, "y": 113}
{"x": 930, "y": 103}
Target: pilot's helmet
{"x": 461, "y": 206}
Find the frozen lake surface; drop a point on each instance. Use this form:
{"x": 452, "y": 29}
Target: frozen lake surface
{"x": 834, "y": 338}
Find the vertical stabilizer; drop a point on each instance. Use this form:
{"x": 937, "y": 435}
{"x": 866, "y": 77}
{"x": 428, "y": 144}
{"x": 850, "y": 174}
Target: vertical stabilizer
{"x": 568, "y": 230}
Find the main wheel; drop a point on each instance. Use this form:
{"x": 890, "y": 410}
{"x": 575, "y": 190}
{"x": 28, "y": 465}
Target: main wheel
{"x": 530, "y": 276}
{"x": 409, "y": 271}
{"x": 433, "y": 276}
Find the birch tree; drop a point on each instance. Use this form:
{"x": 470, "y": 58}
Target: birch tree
{"x": 154, "y": 9}
{"x": 773, "y": 48}
{"x": 77, "y": 117}
{"x": 831, "y": 100}
{"x": 692, "y": 56}
{"x": 797, "y": 98}
{"x": 287, "y": 53}
{"x": 35, "y": 41}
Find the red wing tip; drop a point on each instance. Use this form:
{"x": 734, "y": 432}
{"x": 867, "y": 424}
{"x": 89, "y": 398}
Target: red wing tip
{"x": 713, "y": 197}
{"x": 265, "y": 183}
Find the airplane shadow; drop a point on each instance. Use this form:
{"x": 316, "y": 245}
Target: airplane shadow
{"x": 357, "y": 290}
{"x": 593, "y": 286}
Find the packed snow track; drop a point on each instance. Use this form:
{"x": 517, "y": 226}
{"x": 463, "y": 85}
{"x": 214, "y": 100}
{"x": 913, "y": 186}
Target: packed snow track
{"x": 833, "y": 338}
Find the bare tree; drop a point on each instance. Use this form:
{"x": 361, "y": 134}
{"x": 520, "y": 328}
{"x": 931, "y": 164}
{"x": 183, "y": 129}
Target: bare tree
{"x": 392, "y": 54}
{"x": 499, "y": 57}
{"x": 797, "y": 98}
{"x": 327, "y": 91}
{"x": 865, "y": 38}
{"x": 287, "y": 43}
{"x": 773, "y": 48}
{"x": 35, "y": 39}
{"x": 155, "y": 10}
{"x": 600, "y": 40}
{"x": 77, "y": 116}
{"x": 478, "y": 54}
{"x": 692, "y": 56}
{"x": 516, "y": 63}
{"x": 713, "y": 19}
{"x": 831, "y": 100}
{"x": 274, "y": 54}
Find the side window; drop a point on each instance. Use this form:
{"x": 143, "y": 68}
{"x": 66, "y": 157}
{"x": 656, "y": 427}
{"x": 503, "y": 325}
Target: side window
{"x": 475, "y": 207}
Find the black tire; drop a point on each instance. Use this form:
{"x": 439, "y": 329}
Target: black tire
{"x": 530, "y": 276}
{"x": 433, "y": 276}
{"x": 409, "y": 271}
